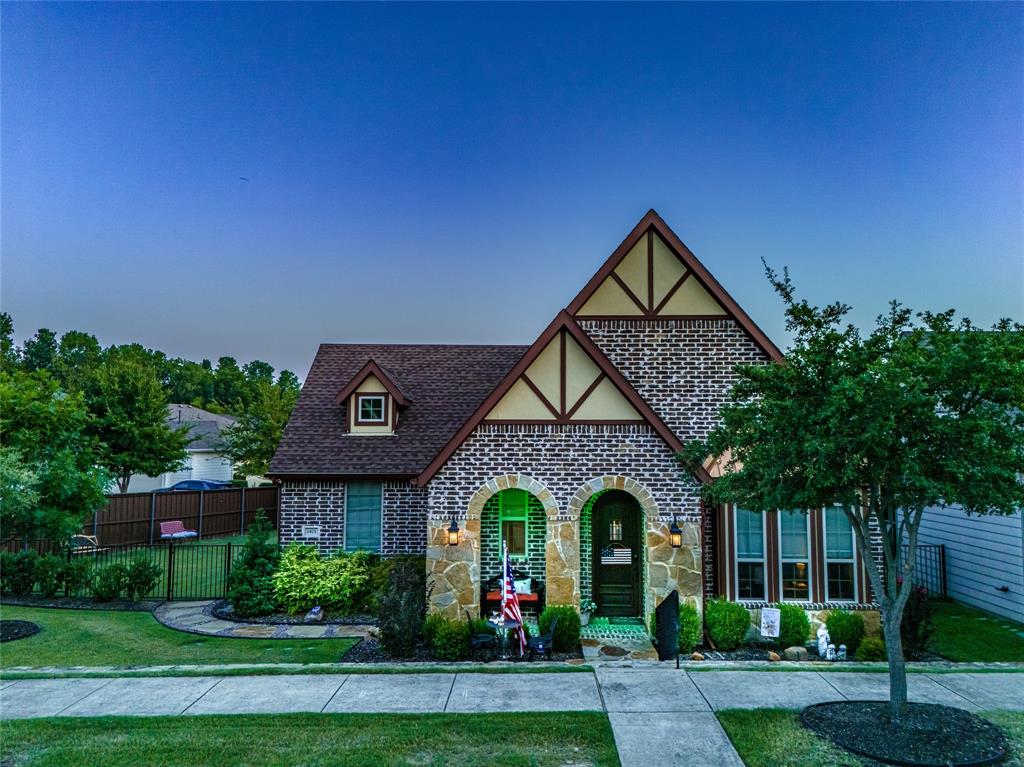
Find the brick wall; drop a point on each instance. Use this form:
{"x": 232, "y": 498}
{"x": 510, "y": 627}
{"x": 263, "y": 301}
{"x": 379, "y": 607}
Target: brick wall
{"x": 322, "y": 502}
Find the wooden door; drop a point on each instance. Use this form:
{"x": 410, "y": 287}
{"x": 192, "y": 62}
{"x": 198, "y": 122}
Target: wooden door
{"x": 617, "y": 555}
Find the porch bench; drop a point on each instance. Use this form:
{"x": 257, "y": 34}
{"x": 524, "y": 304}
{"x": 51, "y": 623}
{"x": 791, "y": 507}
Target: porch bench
{"x": 175, "y": 530}
{"x": 490, "y": 594}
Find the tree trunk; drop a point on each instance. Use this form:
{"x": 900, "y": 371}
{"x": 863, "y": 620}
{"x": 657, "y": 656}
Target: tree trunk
{"x": 897, "y": 666}
{"x": 122, "y": 483}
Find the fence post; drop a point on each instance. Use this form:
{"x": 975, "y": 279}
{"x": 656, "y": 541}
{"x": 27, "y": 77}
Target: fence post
{"x": 942, "y": 568}
{"x": 200, "y": 513}
{"x": 241, "y": 526}
{"x": 227, "y": 568}
{"x": 152, "y": 515}
{"x": 170, "y": 568}
{"x": 95, "y": 514}
{"x": 67, "y": 588}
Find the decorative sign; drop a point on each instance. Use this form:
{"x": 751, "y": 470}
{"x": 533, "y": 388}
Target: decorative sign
{"x": 770, "y": 620}
{"x": 616, "y": 555}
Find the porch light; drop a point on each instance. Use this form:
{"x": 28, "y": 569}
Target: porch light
{"x": 453, "y": 533}
{"x": 675, "y": 535}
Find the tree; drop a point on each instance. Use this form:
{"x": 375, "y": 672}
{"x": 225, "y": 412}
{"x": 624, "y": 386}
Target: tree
{"x": 40, "y": 351}
{"x": 251, "y": 442}
{"x": 8, "y": 354}
{"x": 922, "y": 412}
{"x": 229, "y": 386}
{"x": 129, "y": 412}
{"x": 49, "y": 478}
{"x": 78, "y": 356}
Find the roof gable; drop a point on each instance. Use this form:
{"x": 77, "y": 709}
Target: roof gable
{"x": 653, "y": 275}
{"x": 371, "y": 368}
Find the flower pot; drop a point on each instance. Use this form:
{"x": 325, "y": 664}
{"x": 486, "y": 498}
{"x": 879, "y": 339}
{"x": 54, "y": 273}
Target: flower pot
{"x": 584, "y": 619}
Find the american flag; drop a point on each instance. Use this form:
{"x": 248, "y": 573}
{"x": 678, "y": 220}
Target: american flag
{"x": 510, "y": 602}
{"x": 616, "y": 555}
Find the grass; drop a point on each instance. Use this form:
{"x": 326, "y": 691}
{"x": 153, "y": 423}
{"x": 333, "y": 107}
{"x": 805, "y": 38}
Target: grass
{"x": 965, "y": 633}
{"x": 270, "y": 670}
{"x": 113, "y": 638}
{"x": 340, "y": 740}
{"x": 772, "y": 737}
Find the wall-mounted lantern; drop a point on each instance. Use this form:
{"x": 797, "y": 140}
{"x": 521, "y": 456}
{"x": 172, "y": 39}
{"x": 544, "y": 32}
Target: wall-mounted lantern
{"x": 675, "y": 534}
{"x": 453, "y": 533}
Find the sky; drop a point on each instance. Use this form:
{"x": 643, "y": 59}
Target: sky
{"x": 253, "y": 179}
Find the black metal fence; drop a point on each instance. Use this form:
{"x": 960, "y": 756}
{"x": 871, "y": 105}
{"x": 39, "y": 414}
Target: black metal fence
{"x": 929, "y": 567}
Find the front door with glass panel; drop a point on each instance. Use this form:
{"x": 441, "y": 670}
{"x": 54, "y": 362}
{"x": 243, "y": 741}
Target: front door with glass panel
{"x": 616, "y": 554}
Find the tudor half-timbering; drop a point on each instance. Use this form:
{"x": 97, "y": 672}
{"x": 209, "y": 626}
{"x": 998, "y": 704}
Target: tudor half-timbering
{"x": 564, "y": 451}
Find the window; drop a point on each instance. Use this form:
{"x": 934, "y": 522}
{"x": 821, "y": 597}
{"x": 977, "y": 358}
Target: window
{"x": 513, "y": 509}
{"x": 793, "y": 549}
{"x": 370, "y": 408}
{"x": 839, "y": 561}
{"x": 749, "y": 555}
{"x": 362, "y": 516}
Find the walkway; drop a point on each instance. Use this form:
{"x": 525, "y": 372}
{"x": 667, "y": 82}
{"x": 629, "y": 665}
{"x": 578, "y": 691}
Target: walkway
{"x": 659, "y": 716}
{"x": 198, "y": 618}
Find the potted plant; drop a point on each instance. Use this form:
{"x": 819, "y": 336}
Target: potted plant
{"x": 587, "y": 606}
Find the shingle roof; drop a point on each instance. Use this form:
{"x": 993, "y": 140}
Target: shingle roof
{"x": 203, "y": 426}
{"x": 445, "y": 383}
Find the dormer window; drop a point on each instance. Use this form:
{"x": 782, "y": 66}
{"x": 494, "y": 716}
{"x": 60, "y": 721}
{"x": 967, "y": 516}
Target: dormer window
{"x": 371, "y": 409}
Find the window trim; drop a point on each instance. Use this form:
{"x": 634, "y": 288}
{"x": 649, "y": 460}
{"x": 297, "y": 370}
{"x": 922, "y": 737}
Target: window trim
{"x": 524, "y": 518}
{"x": 736, "y": 555}
{"x": 357, "y": 415}
{"x": 852, "y": 560}
{"x": 786, "y": 560}
{"x": 344, "y": 535}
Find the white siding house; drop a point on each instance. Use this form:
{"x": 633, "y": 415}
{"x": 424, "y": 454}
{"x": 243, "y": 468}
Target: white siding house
{"x": 984, "y": 558}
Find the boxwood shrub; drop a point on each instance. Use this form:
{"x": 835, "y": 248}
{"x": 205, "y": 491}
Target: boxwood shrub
{"x": 727, "y": 623}
{"x": 338, "y": 583}
{"x": 567, "y": 630}
{"x": 871, "y": 648}
{"x": 794, "y": 626}
{"x": 845, "y": 628}
{"x": 690, "y": 628}
{"x": 450, "y": 640}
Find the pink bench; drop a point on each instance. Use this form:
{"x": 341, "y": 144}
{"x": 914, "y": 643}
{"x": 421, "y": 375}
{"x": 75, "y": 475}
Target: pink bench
{"x": 175, "y": 529}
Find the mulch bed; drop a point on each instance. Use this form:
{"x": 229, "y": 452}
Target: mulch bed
{"x": 370, "y": 651}
{"x": 223, "y": 610}
{"x": 11, "y": 630}
{"x": 929, "y": 735}
{"x": 83, "y": 603}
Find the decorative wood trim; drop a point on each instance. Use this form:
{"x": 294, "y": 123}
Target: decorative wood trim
{"x": 671, "y": 292}
{"x": 533, "y": 387}
{"x": 385, "y": 416}
{"x": 560, "y": 422}
{"x": 583, "y": 397}
{"x": 650, "y": 272}
{"x": 632, "y": 296}
{"x": 771, "y": 521}
{"x": 372, "y": 368}
{"x": 561, "y": 370}
{"x": 817, "y": 556}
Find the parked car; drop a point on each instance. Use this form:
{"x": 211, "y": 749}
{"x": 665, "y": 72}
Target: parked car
{"x": 196, "y": 484}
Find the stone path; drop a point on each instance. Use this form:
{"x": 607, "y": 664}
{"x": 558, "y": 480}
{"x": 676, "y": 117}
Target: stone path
{"x": 659, "y": 716}
{"x": 198, "y": 618}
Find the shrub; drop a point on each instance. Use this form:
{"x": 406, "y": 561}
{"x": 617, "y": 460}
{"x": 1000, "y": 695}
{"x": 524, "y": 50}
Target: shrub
{"x": 727, "y": 623}
{"x": 845, "y": 628}
{"x": 567, "y": 630}
{"x": 431, "y": 625}
{"x": 50, "y": 575}
{"x": 304, "y": 579}
{"x": 141, "y": 577}
{"x": 794, "y": 626}
{"x": 917, "y": 627}
{"x": 109, "y": 582}
{"x": 871, "y": 648}
{"x": 690, "y": 628}
{"x": 251, "y": 583}
{"x": 401, "y": 607}
{"x": 450, "y": 640}
{"x": 76, "y": 574}
{"x": 18, "y": 572}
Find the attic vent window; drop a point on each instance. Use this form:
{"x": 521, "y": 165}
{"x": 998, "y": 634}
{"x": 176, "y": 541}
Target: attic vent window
{"x": 371, "y": 409}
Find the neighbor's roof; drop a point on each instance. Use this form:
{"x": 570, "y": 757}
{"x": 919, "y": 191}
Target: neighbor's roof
{"x": 204, "y": 427}
{"x": 444, "y": 383}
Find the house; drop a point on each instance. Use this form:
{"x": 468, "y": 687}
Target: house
{"x": 984, "y": 557}
{"x": 563, "y": 451}
{"x": 206, "y": 458}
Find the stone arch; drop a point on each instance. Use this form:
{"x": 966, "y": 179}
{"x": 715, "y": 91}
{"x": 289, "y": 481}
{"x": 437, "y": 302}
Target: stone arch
{"x": 505, "y": 482}
{"x": 613, "y": 482}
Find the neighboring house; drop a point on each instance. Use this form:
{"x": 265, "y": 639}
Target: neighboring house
{"x": 206, "y": 459}
{"x": 984, "y": 557}
{"x": 563, "y": 451}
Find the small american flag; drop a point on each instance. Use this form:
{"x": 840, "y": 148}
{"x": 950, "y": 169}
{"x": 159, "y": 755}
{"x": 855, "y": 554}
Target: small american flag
{"x": 510, "y": 602}
{"x": 616, "y": 555}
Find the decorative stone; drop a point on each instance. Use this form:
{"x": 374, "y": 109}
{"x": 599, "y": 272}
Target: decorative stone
{"x": 774, "y": 657}
{"x": 795, "y": 653}
{"x": 316, "y": 615}
{"x": 696, "y": 656}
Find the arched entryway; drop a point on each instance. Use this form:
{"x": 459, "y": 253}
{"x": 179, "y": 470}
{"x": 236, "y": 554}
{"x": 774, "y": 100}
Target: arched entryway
{"x": 617, "y": 554}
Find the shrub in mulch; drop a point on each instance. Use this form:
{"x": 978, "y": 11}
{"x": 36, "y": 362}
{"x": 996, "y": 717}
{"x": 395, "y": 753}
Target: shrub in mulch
{"x": 371, "y": 651}
{"x": 11, "y": 630}
{"x": 83, "y": 603}
{"x": 224, "y": 610}
{"x": 930, "y": 735}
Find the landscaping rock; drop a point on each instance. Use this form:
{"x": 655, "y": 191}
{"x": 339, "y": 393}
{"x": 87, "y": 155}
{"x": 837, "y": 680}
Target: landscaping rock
{"x": 774, "y": 657}
{"x": 696, "y": 656}
{"x": 795, "y": 653}
{"x": 316, "y": 615}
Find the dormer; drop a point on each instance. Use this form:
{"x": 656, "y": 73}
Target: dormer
{"x": 372, "y": 402}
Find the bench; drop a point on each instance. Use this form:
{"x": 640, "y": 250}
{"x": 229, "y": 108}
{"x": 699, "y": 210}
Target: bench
{"x": 84, "y": 544}
{"x": 174, "y": 530}
{"x": 490, "y": 594}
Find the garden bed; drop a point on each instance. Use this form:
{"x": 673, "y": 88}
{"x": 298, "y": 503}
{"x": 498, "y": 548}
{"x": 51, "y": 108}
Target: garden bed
{"x": 224, "y": 611}
{"x": 370, "y": 651}
{"x": 11, "y": 630}
{"x": 83, "y": 603}
{"x": 930, "y": 735}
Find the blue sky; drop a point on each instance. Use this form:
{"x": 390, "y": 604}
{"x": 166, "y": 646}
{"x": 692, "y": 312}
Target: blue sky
{"x": 457, "y": 172}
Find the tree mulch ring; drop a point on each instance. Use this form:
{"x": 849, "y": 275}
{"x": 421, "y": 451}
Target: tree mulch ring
{"x": 225, "y": 611}
{"x": 83, "y": 603}
{"x": 11, "y": 630}
{"x": 371, "y": 651}
{"x": 930, "y": 735}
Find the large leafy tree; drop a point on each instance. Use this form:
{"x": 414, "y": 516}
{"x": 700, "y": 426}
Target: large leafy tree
{"x": 50, "y": 480}
{"x": 923, "y": 411}
{"x": 40, "y": 351}
{"x": 129, "y": 419}
{"x": 78, "y": 356}
{"x": 251, "y": 442}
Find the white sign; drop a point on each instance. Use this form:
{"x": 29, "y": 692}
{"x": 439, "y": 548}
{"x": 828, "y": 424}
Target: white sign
{"x": 770, "y": 619}
{"x": 311, "y": 531}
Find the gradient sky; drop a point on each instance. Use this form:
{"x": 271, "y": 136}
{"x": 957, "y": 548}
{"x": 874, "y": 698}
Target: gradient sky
{"x": 457, "y": 173}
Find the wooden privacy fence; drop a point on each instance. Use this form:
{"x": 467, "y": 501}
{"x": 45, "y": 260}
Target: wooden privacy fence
{"x": 134, "y": 518}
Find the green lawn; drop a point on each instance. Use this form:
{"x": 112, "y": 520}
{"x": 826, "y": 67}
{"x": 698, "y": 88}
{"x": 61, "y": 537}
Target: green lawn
{"x": 339, "y": 740}
{"x": 112, "y": 638}
{"x": 965, "y": 633}
{"x": 772, "y": 737}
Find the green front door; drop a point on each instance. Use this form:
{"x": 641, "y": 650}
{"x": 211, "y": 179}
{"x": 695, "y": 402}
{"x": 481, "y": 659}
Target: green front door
{"x": 616, "y": 554}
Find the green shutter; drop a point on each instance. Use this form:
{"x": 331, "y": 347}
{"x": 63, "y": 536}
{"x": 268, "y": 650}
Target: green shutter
{"x": 363, "y": 516}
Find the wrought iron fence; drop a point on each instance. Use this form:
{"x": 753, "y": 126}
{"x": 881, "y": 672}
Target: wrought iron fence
{"x": 929, "y": 567}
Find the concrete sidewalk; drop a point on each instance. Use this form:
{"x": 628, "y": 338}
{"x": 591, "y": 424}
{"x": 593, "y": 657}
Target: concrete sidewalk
{"x": 660, "y": 716}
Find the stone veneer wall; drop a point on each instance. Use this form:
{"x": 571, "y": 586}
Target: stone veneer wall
{"x": 322, "y": 502}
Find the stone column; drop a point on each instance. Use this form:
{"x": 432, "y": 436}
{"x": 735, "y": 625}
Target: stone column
{"x": 453, "y": 572}
{"x": 669, "y": 568}
{"x": 562, "y": 562}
